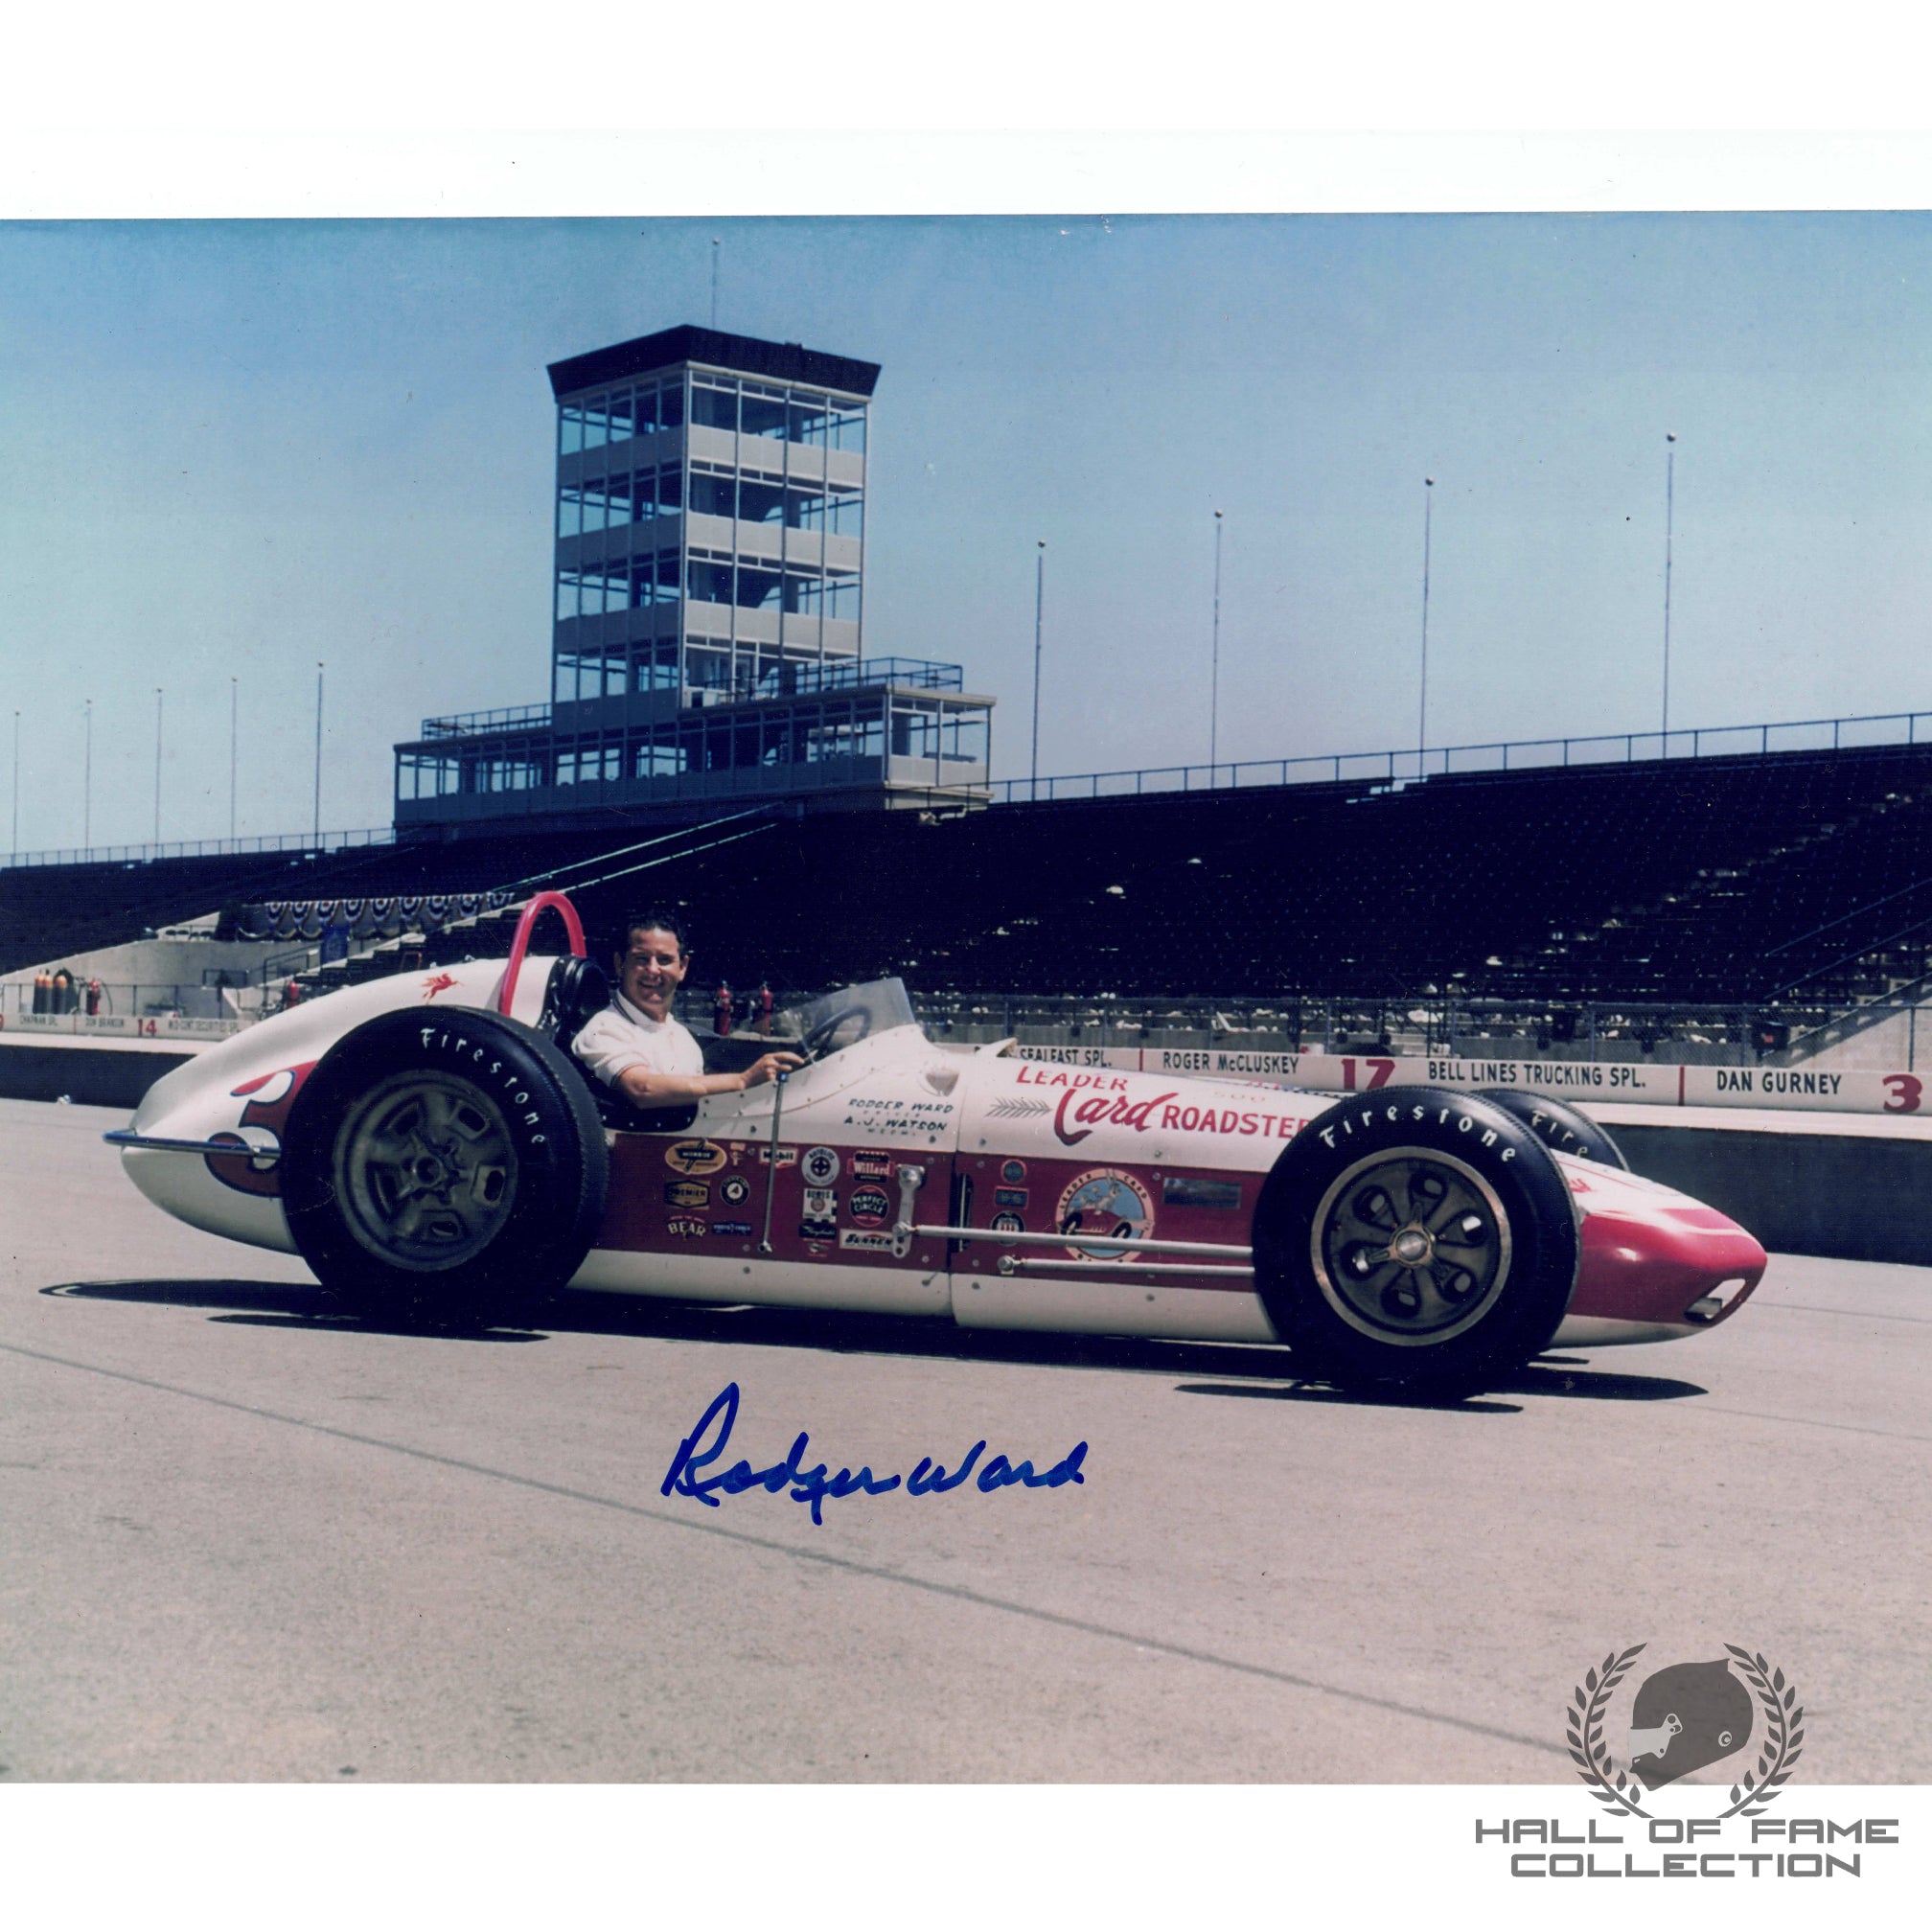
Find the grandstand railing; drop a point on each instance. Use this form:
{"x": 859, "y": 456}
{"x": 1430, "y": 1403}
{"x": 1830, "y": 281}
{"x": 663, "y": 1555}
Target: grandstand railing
{"x": 463, "y": 724}
{"x": 1515, "y": 754}
{"x": 201, "y": 848}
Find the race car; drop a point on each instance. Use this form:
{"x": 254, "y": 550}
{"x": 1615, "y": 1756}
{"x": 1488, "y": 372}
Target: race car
{"x": 430, "y": 1147}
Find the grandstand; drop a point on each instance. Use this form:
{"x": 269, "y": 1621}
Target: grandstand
{"x": 1796, "y": 883}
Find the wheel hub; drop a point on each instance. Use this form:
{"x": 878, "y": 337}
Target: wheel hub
{"x": 427, "y": 1169}
{"x": 1411, "y": 1246}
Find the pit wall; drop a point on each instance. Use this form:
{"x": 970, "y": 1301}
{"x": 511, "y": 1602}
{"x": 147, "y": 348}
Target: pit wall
{"x": 1849, "y": 1090}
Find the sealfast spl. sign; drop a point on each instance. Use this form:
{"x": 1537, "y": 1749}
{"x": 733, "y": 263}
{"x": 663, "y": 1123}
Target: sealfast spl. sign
{"x": 1847, "y": 1090}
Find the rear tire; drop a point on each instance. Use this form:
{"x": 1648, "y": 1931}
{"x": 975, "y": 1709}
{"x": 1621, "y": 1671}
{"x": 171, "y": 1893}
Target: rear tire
{"x": 443, "y": 1168}
{"x": 1416, "y": 1239}
{"x": 1558, "y": 1125}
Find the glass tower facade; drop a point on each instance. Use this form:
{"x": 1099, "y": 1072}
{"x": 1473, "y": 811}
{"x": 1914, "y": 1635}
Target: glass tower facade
{"x": 709, "y": 604}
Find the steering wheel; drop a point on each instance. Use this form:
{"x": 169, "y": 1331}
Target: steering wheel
{"x": 814, "y": 1044}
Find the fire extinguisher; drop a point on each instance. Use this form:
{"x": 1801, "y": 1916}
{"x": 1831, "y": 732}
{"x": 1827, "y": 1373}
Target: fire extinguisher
{"x": 722, "y": 1015}
{"x": 765, "y": 1009}
{"x": 93, "y": 998}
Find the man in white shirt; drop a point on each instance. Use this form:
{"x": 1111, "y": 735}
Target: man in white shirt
{"x": 634, "y": 1045}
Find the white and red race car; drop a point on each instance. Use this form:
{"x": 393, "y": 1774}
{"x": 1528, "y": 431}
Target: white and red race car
{"x": 430, "y": 1147}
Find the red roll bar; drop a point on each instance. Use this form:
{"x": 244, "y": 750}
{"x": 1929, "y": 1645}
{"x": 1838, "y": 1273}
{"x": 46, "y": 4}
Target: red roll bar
{"x": 573, "y": 926}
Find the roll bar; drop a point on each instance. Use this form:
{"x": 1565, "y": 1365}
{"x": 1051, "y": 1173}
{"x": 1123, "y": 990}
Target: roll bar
{"x": 573, "y": 926}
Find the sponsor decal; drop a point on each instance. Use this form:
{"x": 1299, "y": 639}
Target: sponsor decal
{"x": 820, "y": 1203}
{"x": 734, "y": 1191}
{"x": 730, "y": 1227}
{"x": 869, "y": 1207}
{"x": 872, "y": 1163}
{"x": 821, "y": 1166}
{"x": 265, "y": 1115}
{"x": 1013, "y": 1172}
{"x": 1008, "y": 1224}
{"x": 787, "y": 1156}
{"x": 686, "y": 1228}
{"x": 1077, "y": 1114}
{"x": 687, "y": 1194}
{"x": 860, "y": 1237}
{"x": 695, "y": 1157}
{"x": 1105, "y": 1201}
{"x": 1182, "y": 1190}
{"x": 1009, "y": 1197}
{"x": 815, "y": 1229}
{"x": 437, "y": 983}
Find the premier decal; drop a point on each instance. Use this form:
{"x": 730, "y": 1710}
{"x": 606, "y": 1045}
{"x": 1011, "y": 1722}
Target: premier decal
{"x": 687, "y": 1194}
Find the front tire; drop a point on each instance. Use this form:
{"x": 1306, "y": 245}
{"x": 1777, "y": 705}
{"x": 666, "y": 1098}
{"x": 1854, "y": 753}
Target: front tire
{"x": 446, "y": 1168}
{"x": 1558, "y": 1125}
{"x": 1416, "y": 1239}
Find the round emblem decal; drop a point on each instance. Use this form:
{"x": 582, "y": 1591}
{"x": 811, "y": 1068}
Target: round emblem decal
{"x": 821, "y": 1166}
{"x": 1105, "y": 1201}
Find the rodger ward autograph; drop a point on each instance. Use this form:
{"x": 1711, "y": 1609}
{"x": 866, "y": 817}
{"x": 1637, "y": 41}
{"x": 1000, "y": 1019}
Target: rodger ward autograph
{"x": 696, "y": 1455}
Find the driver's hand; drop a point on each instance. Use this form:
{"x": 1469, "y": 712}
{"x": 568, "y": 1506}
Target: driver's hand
{"x": 769, "y": 1067}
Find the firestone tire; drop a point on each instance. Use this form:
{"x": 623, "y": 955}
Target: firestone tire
{"x": 1558, "y": 1125}
{"x": 1416, "y": 1239}
{"x": 446, "y": 1170}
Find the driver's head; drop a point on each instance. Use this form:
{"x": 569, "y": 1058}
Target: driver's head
{"x": 652, "y": 963}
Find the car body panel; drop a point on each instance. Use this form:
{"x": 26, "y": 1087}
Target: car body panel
{"x": 894, "y": 1132}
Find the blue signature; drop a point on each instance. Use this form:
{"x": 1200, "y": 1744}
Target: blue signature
{"x": 814, "y": 1485}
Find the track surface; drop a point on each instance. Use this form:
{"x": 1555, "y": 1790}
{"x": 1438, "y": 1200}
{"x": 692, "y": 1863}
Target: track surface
{"x": 240, "y": 1541}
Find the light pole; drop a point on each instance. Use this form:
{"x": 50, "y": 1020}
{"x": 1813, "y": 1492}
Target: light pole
{"x": 318, "y": 751}
{"x": 1214, "y": 673}
{"x": 714, "y": 280}
{"x": 1422, "y": 717}
{"x": 87, "y": 784}
{"x": 1039, "y": 606}
{"x": 15, "y": 847}
{"x": 1669, "y": 520}
{"x": 157, "y": 764}
{"x": 234, "y": 739}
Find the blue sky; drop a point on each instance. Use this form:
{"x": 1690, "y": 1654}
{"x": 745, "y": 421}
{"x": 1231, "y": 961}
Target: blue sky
{"x": 229, "y": 449}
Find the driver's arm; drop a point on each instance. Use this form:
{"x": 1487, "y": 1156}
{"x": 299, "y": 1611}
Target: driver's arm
{"x": 645, "y": 1088}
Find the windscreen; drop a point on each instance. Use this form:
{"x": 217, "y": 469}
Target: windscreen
{"x": 841, "y": 1019}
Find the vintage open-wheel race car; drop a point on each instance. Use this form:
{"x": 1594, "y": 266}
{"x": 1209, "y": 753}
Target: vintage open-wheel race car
{"x": 430, "y": 1148}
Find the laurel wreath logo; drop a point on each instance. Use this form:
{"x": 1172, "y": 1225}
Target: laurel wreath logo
{"x": 1617, "y": 1787}
{"x": 1584, "y": 1729}
{"x": 1784, "y": 1735}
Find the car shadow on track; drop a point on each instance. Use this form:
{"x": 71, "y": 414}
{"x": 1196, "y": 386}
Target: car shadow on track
{"x": 1239, "y": 1368}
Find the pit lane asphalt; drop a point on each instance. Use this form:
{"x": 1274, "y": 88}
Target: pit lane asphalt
{"x": 242, "y": 1541}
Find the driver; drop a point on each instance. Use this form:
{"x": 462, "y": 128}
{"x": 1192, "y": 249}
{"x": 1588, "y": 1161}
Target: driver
{"x": 636, "y": 1046}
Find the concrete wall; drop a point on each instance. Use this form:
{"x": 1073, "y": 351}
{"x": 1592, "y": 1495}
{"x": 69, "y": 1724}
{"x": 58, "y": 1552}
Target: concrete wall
{"x": 89, "y": 1076}
{"x": 159, "y": 962}
{"x": 1854, "y": 1188}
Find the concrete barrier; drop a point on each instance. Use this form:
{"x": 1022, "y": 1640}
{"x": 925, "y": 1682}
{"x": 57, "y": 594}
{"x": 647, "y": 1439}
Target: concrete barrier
{"x": 92, "y": 1074}
{"x": 1853, "y": 1188}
